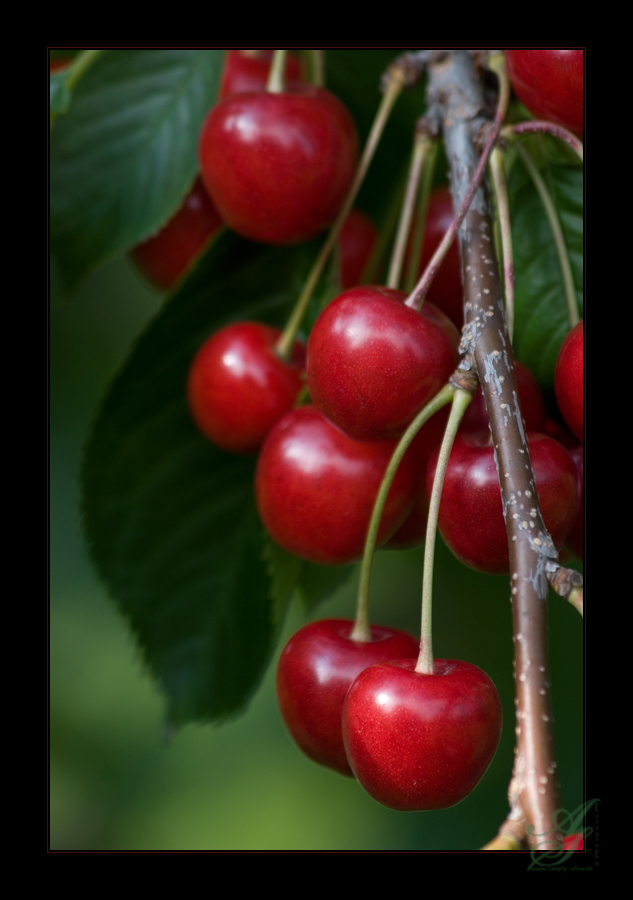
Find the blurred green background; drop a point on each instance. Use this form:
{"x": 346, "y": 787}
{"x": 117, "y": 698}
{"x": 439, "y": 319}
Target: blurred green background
{"x": 117, "y": 784}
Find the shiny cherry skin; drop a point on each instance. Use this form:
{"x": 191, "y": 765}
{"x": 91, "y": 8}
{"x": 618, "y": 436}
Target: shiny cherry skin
{"x": 356, "y": 241}
{"x": 471, "y": 516}
{"x": 315, "y": 488}
{"x": 165, "y": 258}
{"x": 315, "y": 670}
{"x": 418, "y": 742}
{"x": 248, "y": 70}
{"x": 238, "y": 387}
{"x": 278, "y": 165}
{"x": 568, "y": 380}
{"x": 550, "y": 83}
{"x": 446, "y": 290}
{"x": 530, "y": 396}
{"x": 373, "y": 362}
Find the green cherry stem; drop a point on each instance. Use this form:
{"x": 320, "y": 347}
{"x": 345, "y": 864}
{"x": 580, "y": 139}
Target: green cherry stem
{"x": 425, "y": 664}
{"x": 512, "y": 132}
{"x": 316, "y": 66}
{"x": 576, "y": 598}
{"x": 276, "y": 83}
{"x": 503, "y": 212}
{"x": 80, "y": 65}
{"x": 417, "y": 238}
{"x": 423, "y": 157}
{"x": 361, "y": 630}
{"x": 557, "y": 232}
{"x": 395, "y": 83}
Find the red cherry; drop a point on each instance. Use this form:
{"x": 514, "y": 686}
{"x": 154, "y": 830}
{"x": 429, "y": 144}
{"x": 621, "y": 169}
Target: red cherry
{"x": 55, "y": 65}
{"x": 238, "y": 387}
{"x": 446, "y": 290}
{"x": 373, "y": 362}
{"x": 550, "y": 83}
{"x": 418, "y": 742}
{"x": 315, "y": 670}
{"x": 248, "y": 70}
{"x": 316, "y": 488}
{"x": 471, "y": 516}
{"x": 532, "y": 405}
{"x": 165, "y": 258}
{"x": 278, "y": 165}
{"x": 357, "y": 240}
{"x": 573, "y": 842}
{"x": 568, "y": 380}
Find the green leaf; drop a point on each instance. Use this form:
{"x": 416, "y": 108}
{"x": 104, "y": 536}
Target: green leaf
{"x": 125, "y": 154}
{"x": 312, "y": 582}
{"x": 171, "y": 519}
{"x": 541, "y": 315}
{"x": 59, "y": 94}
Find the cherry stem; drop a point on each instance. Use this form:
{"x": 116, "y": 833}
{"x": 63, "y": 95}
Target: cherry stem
{"x": 361, "y": 630}
{"x": 514, "y": 131}
{"x": 395, "y": 83}
{"x": 424, "y": 152}
{"x": 276, "y": 83}
{"x": 79, "y": 66}
{"x": 511, "y": 835}
{"x": 317, "y": 66}
{"x": 503, "y": 212}
{"x": 417, "y": 237}
{"x": 425, "y": 664}
{"x": 457, "y": 91}
{"x": 416, "y": 298}
{"x": 576, "y": 598}
{"x": 557, "y": 232}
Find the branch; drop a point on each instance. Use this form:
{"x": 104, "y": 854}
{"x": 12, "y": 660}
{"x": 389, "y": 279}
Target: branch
{"x": 455, "y": 92}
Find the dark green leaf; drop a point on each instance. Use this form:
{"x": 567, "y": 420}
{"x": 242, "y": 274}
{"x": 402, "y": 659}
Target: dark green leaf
{"x": 312, "y": 582}
{"x": 125, "y": 154}
{"x": 171, "y": 520}
{"x": 58, "y": 93}
{"x": 541, "y": 316}
{"x": 317, "y": 583}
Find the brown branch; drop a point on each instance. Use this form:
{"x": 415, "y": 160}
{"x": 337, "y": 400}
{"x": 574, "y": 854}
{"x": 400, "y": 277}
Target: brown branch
{"x": 456, "y": 93}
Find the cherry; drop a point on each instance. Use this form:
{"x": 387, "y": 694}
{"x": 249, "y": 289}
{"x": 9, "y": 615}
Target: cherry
{"x": 568, "y": 380}
{"x": 164, "y": 258}
{"x": 573, "y": 842}
{"x": 418, "y": 742}
{"x": 316, "y": 668}
{"x": 357, "y": 239}
{"x": 247, "y": 70}
{"x": 531, "y": 399}
{"x": 57, "y": 64}
{"x": 446, "y": 290}
{"x": 278, "y": 165}
{"x": 550, "y": 83}
{"x": 373, "y": 362}
{"x": 315, "y": 488}
{"x": 471, "y": 516}
{"x": 238, "y": 387}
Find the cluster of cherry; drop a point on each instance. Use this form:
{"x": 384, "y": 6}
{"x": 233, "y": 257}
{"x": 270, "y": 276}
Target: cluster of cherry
{"x": 277, "y": 166}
